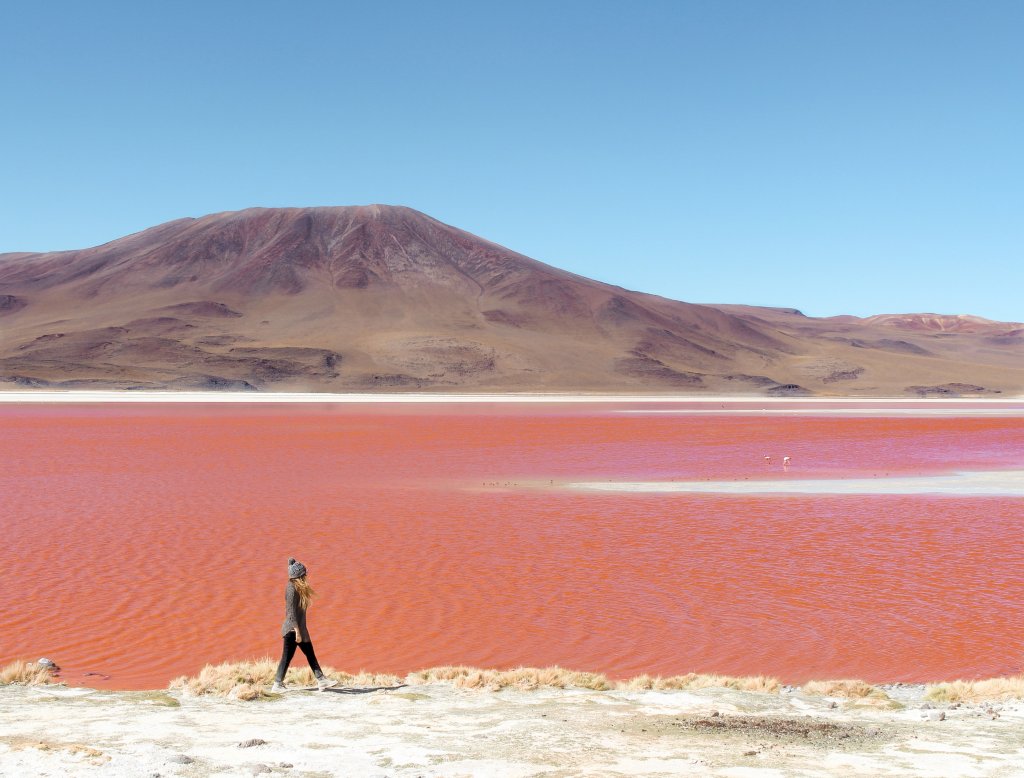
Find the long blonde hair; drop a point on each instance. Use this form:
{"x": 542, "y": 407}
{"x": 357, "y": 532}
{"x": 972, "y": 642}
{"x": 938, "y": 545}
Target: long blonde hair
{"x": 304, "y": 590}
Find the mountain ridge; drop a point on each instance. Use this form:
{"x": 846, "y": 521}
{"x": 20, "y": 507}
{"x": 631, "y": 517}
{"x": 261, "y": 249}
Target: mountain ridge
{"x": 386, "y": 298}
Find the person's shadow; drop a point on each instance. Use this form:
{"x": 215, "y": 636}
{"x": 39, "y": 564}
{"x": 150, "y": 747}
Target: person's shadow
{"x": 363, "y": 689}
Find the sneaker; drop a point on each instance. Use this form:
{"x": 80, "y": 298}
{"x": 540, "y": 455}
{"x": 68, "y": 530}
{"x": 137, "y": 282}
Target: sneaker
{"x": 278, "y": 688}
{"x": 325, "y": 683}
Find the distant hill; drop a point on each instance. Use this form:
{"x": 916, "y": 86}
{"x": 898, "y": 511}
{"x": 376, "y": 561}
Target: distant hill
{"x": 384, "y": 298}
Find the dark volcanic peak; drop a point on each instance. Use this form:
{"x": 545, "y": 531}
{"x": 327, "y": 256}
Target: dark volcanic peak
{"x": 267, "y": 250}
{"x": 385, "y": 298}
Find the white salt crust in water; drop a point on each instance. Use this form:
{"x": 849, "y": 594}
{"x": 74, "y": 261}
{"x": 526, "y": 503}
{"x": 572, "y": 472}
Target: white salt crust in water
{"x": 994, "y": 483}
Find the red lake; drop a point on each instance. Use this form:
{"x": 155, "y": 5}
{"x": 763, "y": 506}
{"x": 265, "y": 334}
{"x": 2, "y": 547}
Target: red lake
{"x": 141, "y": 541}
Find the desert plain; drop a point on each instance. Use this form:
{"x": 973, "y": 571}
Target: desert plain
{"x": 439, "y": 729}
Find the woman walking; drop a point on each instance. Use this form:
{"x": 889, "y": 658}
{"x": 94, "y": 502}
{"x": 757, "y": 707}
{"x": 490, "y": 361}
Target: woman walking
{"x": 297, "y": 596}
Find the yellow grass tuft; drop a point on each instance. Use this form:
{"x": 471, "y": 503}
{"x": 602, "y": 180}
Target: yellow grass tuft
{"x": 440, "y": 674}
{"x": 756, "y": 683}
{"x": 640, "y": 683}
{"x": 977, "y": 691}
{"x": 850, "y": 688}
{"x": 518, "y": 678}
{"x": 252, "y": 680}
{"x": 560, "y": 678}
{"x": 27, "y": 673}
{"x": 93, "y": 755}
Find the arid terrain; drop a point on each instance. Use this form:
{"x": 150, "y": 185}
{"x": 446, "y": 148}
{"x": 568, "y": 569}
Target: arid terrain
{"x": 437, "y": 729}
{"x": 383, "y": 298}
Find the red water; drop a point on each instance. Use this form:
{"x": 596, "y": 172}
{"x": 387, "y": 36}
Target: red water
{"x": 144, "y": 541}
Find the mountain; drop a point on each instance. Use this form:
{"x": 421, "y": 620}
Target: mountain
{"x": 384, "y": 298}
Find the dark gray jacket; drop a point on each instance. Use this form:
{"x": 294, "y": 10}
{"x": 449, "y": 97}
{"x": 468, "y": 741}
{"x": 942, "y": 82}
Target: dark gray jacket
{"x": 294, "y": 613}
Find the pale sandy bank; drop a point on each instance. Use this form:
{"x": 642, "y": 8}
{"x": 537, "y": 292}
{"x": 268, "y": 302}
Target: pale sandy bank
{"x": 437, "y": 729}
{"x": 1012, "y": 405}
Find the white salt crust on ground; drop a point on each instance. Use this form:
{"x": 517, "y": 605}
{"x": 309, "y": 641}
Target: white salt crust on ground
{"x": 438, "y": 730}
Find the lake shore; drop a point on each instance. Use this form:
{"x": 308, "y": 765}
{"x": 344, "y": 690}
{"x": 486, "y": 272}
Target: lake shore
{"x": 83, "y": 396}
{"x": 438, "y": 729}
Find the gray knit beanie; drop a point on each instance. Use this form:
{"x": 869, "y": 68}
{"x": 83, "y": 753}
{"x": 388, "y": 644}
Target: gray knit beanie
{"x": 295, "y": 569}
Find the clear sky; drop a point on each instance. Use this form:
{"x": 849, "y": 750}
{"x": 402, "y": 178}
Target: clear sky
{"x": 837, "y": 157}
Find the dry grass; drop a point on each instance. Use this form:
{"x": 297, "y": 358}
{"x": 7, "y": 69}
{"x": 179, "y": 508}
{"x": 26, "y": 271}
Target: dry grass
{"x": 849, "y": 688}
{"x": 977, "y": 691}
{"x": 441, "y": 674}
{"x": 753, "y": 683}
{"x": 560, "y": 678}
{"x": 93, "y": 755}
{"x": 27, "y": 673}
{"x": 518, "y": 678}
{"x": 252, "y": 680}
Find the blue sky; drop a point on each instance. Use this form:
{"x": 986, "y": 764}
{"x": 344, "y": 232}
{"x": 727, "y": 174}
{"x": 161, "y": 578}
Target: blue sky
{"x": 859, "y": 157}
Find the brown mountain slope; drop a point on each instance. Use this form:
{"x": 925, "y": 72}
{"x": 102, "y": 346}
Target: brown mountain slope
{"x": 386, "y": 298}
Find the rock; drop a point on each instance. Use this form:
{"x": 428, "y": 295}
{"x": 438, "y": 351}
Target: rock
{"x": 714, "y": 713}
{"x": 180, "y": 759}
{"x": 259, "y": 769}
{"x": 833, "y": 705}
{"x": 250, "y": 743}
{"x": 285, "y": 765}
{"x": 936, "y": 715}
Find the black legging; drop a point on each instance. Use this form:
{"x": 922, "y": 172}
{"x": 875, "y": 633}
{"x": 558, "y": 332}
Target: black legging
{"x": 289, "y": 652}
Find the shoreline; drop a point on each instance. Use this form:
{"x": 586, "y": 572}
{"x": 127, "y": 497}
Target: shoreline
{"x": 89, "y": 396}
{"x": 251, "y": 679}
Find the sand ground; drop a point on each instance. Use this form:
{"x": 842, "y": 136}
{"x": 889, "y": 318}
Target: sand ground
{"x": 439, "y": 730}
